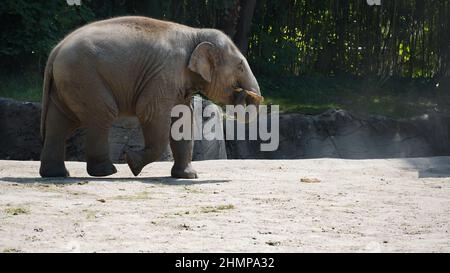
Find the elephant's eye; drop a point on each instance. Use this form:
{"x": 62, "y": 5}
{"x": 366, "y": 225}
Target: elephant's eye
{"x": 241, "y": 66}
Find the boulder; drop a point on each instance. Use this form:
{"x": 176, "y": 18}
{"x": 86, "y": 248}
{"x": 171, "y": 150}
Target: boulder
{"x": 207, "y": 149}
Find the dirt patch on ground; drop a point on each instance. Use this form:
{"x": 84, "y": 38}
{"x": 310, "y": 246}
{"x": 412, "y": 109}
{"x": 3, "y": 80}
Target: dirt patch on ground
{"x": 254, "y": 205}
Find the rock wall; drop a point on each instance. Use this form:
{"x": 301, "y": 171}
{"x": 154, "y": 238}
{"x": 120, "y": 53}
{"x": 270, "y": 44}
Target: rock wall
{"x": 340, "y": 134}
{"x": 20, "y": 136}
{"x": 335, "y": 133}
{"x": 19, "y": 130}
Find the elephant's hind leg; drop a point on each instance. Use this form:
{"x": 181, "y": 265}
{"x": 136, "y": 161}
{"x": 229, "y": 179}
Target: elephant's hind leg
{"x": 97, "y": 114}
{"x": 58, "y": 128}
{"x": 97, "y": 152}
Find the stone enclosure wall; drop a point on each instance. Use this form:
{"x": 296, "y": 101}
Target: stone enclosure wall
{"x": 335, "y": 133}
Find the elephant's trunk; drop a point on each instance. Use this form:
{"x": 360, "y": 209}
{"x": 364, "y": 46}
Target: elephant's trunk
{"x": 248, "y": 81}
{"x": 248, "y": 91}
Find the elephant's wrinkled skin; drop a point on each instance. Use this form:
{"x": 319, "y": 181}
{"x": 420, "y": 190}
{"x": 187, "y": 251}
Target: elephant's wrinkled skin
{"x": 133, "y": 66}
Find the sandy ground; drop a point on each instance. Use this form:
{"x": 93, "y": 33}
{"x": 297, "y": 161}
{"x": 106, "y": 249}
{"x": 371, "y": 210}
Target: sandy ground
{"x": 255, "y": 205}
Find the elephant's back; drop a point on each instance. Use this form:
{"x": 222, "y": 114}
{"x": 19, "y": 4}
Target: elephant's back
{"x": 140, "y": 23}
{"x": 123, "y": 37}
{"x": 129, "y": 28}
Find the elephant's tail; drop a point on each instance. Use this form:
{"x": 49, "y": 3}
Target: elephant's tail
{"x": 48, "y": 82}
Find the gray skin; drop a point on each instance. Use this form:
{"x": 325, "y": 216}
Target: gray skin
{"x": 133, "y": 66}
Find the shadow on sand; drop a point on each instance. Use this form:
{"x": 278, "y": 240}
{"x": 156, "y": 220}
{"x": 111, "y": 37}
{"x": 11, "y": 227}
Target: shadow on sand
{"x": 82, "y": 180}
{"x": 431, "y": 167}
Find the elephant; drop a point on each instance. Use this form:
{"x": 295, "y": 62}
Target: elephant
{"x": 134, "y": 66}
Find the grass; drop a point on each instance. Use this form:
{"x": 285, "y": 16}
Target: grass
{"x": 207, "y": 209}
{"x": 16, "y": 211}
{"x": 92, "y": 214}
{"x": 144, "y": 195}
{"x": 193, "y": 190}
{"x": 182, "y": 213}
{"x": 23, "y": 87}
{"x": 11, "y": 250}
{"x": 307, "y": 94}
{"x": 219, "y": 208}
{"x": 316, "y": 94}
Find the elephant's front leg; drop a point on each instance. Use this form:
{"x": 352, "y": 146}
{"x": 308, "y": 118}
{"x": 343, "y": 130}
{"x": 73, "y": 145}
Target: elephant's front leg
{"x": 156, "y": 137}
{"x": 182, "y": 155}
{"x": 182, "y": 150}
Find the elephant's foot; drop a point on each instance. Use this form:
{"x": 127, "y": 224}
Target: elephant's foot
{"x": 134, "y": 161}
{"x": 184, "y": 172}
{"x": 51, "y": 171}
{"x": 101, "y": 169}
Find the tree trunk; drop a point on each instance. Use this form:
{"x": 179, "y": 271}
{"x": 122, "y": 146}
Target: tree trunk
{"x": 228, "y": 19}
{"x": 244, "y": 24}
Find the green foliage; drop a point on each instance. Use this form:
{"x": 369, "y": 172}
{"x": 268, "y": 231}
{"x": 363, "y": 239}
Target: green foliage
{"x": 30, "y": 29}
{"x": 25, "y": 87}
{"x": 316, "y": 94}
{"x": 402, "y": 38}
{"x": 308, "y": 55}
{"x": 399, "y": 38}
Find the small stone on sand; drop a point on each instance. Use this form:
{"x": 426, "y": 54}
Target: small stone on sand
{"x": 309, "y": 180}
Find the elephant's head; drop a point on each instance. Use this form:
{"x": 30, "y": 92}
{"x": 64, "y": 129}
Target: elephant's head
{"x": 223, "y": 70}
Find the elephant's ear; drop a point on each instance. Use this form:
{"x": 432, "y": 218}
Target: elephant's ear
{"x": 202, "y": 60}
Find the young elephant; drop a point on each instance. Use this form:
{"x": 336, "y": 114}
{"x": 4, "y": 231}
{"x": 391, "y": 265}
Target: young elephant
{"x": 133, "y": 66}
